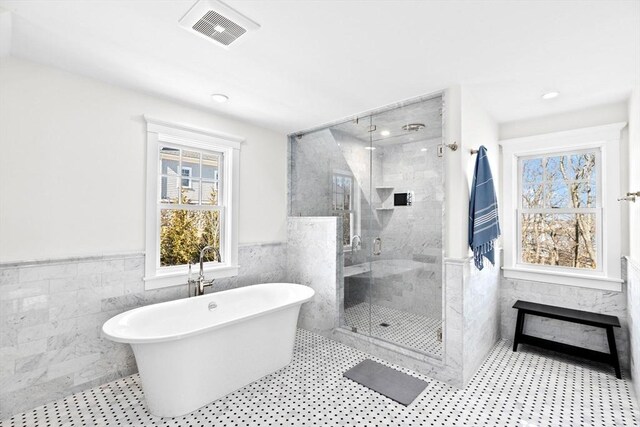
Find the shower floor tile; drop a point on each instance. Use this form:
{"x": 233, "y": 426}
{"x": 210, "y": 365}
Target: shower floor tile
{"x": 406, "y": 329}
{"x": 523, "y": 389}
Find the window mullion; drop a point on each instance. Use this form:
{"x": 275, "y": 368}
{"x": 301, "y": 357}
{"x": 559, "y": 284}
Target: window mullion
{"x": 201, "y": 178}
{"x": 180, "y": 177}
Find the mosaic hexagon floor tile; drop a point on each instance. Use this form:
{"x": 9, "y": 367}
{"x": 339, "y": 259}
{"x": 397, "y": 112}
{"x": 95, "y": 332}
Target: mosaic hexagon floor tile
{"x": 406, "y": 329}
{"x": 524, "y": 389}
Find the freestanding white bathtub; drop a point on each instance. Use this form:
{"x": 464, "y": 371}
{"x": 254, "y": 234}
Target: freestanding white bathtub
{"x": 193, "y": 351}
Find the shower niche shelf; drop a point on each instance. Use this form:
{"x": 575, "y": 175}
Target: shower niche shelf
{"x": 384, "y": 192}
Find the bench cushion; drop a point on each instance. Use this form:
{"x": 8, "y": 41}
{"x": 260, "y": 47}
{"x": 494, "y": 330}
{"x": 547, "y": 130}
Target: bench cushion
{"x": 568, "y": 314}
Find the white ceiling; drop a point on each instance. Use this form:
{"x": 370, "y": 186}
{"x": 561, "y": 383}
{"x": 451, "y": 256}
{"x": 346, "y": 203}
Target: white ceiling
{"x": 313, "y": 62}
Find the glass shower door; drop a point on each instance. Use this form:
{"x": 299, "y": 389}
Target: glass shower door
{"x": 382, "y": 176}
{"x": 405, "y": 285}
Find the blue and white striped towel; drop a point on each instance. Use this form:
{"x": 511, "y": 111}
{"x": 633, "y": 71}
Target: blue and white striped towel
{"x": 484, "y": 227}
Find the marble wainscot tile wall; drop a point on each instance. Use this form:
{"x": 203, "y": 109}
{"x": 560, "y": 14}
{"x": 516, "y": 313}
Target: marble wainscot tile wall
{"x": 600, "y": 301}
{"x": 51, "y": 314}
{"x": 481, "y": 309}
{"x": 633, "y": 315}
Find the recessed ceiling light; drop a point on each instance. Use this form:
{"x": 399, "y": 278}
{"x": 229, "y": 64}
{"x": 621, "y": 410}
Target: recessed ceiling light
{"x": 550, "y": 95}
{"x": 219, "y": 97}
{"x": 385, "y": 133}
{"x": 423, "y": 149}
{"x": 219, "y": 28}
{"x": 369, "y": 148}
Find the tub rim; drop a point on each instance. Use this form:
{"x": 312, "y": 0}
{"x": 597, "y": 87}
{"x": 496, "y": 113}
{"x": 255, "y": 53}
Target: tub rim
{"x": 174, "y": 337}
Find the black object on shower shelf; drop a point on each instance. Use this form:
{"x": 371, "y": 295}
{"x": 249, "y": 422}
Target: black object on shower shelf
{"x": 402, "y": 199}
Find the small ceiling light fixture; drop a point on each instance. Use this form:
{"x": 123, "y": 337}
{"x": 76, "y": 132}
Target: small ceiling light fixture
{"x": 370, "y": 148}
{"x": 219, "y": 97}
{"x": 385, "y": 133}
{"x": 423, "y": 149}
{"x": 550, "y": 95}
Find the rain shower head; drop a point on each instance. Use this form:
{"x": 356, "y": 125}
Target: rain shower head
{"x": 413, "y": 127}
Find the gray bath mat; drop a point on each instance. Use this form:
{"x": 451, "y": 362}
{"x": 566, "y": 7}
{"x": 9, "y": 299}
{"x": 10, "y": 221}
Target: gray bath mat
{"x": 393, "y": 384}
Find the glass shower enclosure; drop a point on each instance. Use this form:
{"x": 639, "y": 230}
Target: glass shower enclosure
{"x": 382, "y": 175}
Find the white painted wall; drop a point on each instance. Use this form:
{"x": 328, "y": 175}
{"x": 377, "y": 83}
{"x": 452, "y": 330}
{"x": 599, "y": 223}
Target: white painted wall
{"x": 470, "y": 126}
{"x": 455, "y": 196}
{"x": 5, "y": 32}
{"x": 634, "y": 174}
{"x": 633, "y": 272}
{"x": 594, "y": 116}
{"x": 478, "y": 128}
{"x": 72, "y": 165}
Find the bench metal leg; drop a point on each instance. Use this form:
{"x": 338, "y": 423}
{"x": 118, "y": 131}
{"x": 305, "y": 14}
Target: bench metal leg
{"x": 519, "y": 328}
{"x": 613, "y": 351}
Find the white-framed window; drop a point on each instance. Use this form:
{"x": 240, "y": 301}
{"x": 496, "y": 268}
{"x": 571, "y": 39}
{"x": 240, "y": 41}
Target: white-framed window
{"x": 192, "y": 202}
{"x": 561, "y": 218}
{"x": 345, "y": 203}
{"x": 559, "y": 222}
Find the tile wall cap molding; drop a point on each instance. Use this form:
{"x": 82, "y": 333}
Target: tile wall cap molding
{"x": 67, "y": 260}
{"x": 457, "y": 261}
{"x": 634, "y": 263}
{"x": 467, "y": 259}
{"x": 315, "y": 218}
{"x": 270, "y": 243}
{"x": 105, "y": 257}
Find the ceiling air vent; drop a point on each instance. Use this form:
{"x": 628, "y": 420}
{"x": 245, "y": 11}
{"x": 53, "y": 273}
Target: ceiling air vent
{"x": 217, "y": 22}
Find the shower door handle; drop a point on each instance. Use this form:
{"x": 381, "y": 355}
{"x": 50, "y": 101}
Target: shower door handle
{"x": 377, "y": 246}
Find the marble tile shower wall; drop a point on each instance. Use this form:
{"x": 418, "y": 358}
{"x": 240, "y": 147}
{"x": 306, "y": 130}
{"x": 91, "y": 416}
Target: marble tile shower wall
{"x": 414, "y": 232}
{"x": 314, "y": 159}
{"x": 51, "y": 314}
{"x": 607, "y": 302}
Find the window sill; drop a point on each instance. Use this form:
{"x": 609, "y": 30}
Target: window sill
{"x": 562, "y": 278}
{"x": 180, "y": 278}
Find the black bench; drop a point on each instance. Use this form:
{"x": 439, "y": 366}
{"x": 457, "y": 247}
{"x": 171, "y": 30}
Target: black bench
{"x": 576, "y": 316}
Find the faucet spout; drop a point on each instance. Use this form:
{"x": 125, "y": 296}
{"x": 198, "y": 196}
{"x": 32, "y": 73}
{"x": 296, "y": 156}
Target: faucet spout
{"x": 201, "y": 283}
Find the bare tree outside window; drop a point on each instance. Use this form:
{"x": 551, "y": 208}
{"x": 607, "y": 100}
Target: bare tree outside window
{"x": 559, "y": 215}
